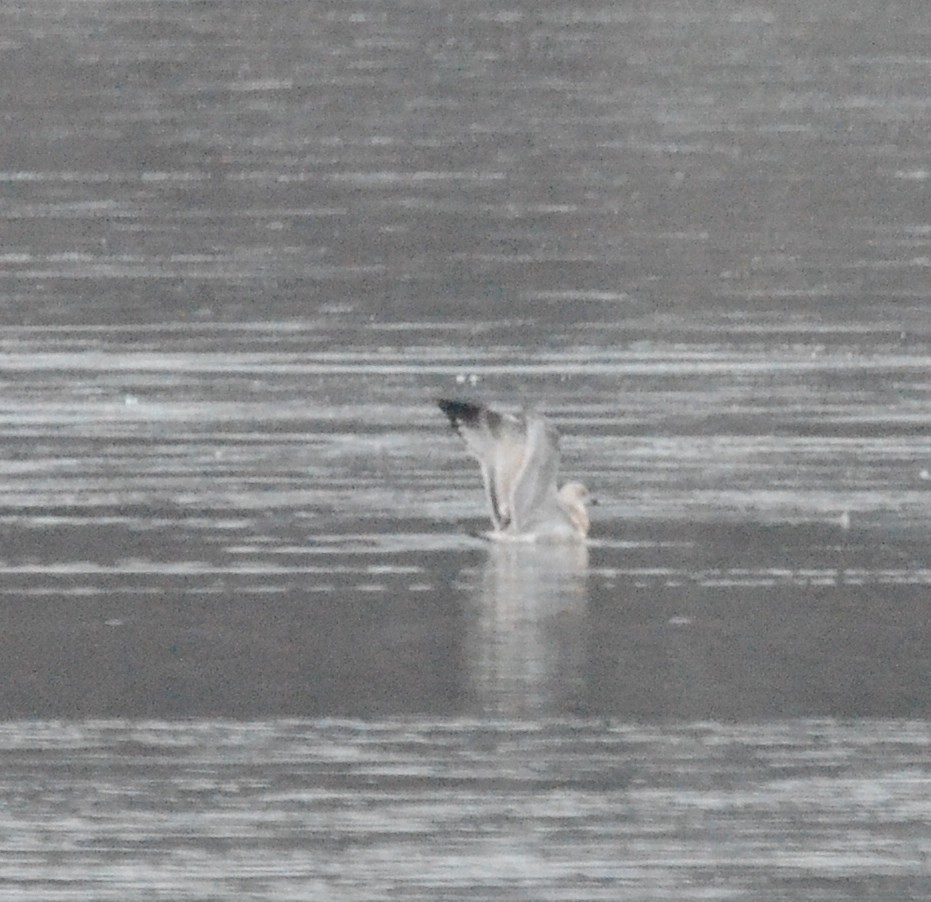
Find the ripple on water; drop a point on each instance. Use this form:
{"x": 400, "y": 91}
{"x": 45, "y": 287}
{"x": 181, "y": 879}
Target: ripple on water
{"x": 611, "y": 807}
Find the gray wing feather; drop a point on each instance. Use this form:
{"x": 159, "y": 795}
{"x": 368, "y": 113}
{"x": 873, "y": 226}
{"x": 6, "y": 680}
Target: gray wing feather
{"x": 499, "y": 443}
{"x": 533, "y": 492}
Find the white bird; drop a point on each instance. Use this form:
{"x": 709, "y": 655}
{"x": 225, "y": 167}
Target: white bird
{"x": 519, "y": 456}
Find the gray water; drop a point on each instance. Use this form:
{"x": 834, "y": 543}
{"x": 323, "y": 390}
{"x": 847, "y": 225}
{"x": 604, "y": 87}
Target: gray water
{"x": 464, "y": 810}
{"x": 249, "y": 646}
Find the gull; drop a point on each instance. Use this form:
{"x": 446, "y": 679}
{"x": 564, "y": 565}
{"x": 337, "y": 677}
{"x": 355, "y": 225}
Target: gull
{"x": 519, "y": 456}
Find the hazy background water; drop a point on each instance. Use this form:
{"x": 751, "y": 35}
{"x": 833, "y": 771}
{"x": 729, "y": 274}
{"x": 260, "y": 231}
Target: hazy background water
{"x": 242, "y": 248}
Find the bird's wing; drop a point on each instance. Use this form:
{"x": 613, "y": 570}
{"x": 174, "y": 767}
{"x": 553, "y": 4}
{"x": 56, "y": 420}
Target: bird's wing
{"x": 499, "y": 443}
{"x": 533, "y": 490}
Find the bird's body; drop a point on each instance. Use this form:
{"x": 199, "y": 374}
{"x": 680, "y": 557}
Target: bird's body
{"x": 519, "y": 457}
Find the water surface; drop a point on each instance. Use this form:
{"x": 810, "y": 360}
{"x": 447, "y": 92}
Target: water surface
{"x": 248, "y": 646}
{"x": 464, "y": 810}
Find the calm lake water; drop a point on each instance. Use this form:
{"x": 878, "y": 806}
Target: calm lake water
{"x": 249, "y": 647}
{"x": 464, "y": 810}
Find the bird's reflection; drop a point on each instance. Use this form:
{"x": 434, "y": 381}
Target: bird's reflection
{"x": 527, "y": 642}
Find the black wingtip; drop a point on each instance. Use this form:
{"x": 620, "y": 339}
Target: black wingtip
{"x": 459, "y": 411}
